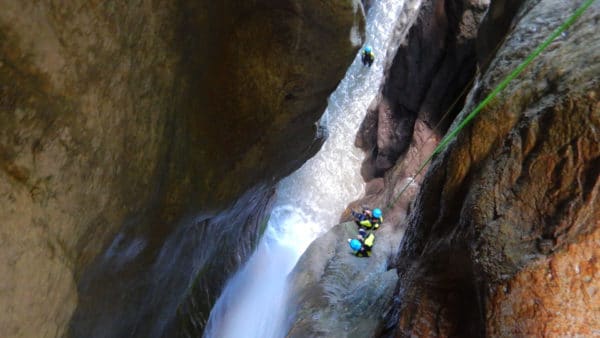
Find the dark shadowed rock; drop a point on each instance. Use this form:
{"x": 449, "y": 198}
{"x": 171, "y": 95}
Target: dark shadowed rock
{"x": 425, "y": 84}
{"x": 256, "y": 79}
{"x": 170, "y": 295}
{"x": 119, "y": 119}
{"x": 429, "y": 73}
{"x": 500, "y": 18}
{"x": 506, "y": 218}
{"x": 328, "y": 286}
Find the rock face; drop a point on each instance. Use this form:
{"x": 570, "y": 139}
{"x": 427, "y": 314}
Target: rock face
{"x": 426, "y": 82}
{"x": 406, "y": 121}
{"x": 123, "y": 118}
{"x": 336, "y": 294}
{"x": 503, "y": 239}
{"x": 429, "y": 73}
{"x": 556, "y": 296}
{"x": 261, "y": 72}
{"x": 171, "y": 293}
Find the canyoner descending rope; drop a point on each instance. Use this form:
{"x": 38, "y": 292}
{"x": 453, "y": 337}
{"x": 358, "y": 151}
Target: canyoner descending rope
{"x": 450, "y": 136}
{"x": 308, "y": 202}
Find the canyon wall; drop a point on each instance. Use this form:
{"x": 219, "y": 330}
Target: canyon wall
{"x": 498, "y": 236}
{"x": 332, "y": 292}
{"x": 123, "y": 123}
{"x": 503, "y": 237}
{"x": 426, "y": 82}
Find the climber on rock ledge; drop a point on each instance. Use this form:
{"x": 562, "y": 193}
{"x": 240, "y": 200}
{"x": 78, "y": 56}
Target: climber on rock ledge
{"x": 363, "y": 244}
{"x": 368, "y": 219}
{"x": 368, "y": 56}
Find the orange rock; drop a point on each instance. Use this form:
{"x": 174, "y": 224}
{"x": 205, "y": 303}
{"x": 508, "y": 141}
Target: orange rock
{"x": 558, "y": 296}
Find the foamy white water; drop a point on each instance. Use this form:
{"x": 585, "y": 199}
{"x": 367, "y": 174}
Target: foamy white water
{"x": 309, "y": 201}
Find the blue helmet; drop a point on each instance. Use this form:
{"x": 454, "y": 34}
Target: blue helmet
{"x": 377, "y": 212}
{"x": 355, "y": 244}
{"x": 368, "y": 49}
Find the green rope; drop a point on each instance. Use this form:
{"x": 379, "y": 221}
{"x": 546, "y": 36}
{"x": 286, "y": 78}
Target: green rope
{"x": 444, "y": 142}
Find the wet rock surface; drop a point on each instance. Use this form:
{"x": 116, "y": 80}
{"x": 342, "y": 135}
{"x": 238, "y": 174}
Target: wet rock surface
{"x": 397, "y": 141}
{"x": 170, "y": 294}
{"x": 119, "y": 119}
{"x": 502, "y": 238}
{"x": 556, "y": 296}
{"x": 333, "y": 293}
{"x": 114, "y": 120}
{"x": 511, "y": 202}
{"x": 429, "y": 74}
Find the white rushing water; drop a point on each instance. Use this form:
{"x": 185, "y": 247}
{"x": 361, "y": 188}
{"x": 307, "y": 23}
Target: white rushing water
{"x": 309, "y": 201}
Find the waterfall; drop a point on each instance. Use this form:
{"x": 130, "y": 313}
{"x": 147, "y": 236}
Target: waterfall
{"x": 309, "y": 201}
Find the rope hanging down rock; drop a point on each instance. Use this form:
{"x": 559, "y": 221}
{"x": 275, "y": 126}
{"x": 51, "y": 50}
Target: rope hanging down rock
{"x": 444, "y": 142}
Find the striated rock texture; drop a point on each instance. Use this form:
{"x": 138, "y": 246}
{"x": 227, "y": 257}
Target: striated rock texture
{"x": 336, "y": 294}
{"x": 406, "y": 121}
{"x": 161, "y": 295}
{"x": 332, "y": 292}
{"x": 503, "y": 237}
{"x": 260, "y": 73}
{"x": 428, "y": 75}
{"x": 122, "y": 117}
{"x": 426, "y": 82}
{"x": 556, "y": 296}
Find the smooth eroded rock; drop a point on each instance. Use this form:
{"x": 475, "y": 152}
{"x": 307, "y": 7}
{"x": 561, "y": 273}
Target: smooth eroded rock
{"x": 119, "y": 120}
{"x": 333, "y": 293}
{"x": 514, "y": 193}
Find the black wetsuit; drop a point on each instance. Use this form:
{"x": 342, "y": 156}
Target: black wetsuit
{"x": 368, "y": 58}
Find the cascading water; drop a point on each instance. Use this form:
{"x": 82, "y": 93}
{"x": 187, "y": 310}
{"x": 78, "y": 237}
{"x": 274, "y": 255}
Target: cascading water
{"x": 309, "y": 202}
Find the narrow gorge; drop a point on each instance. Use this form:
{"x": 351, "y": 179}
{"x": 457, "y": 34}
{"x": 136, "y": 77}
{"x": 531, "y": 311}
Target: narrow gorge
{"x": 187, "y": 169}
